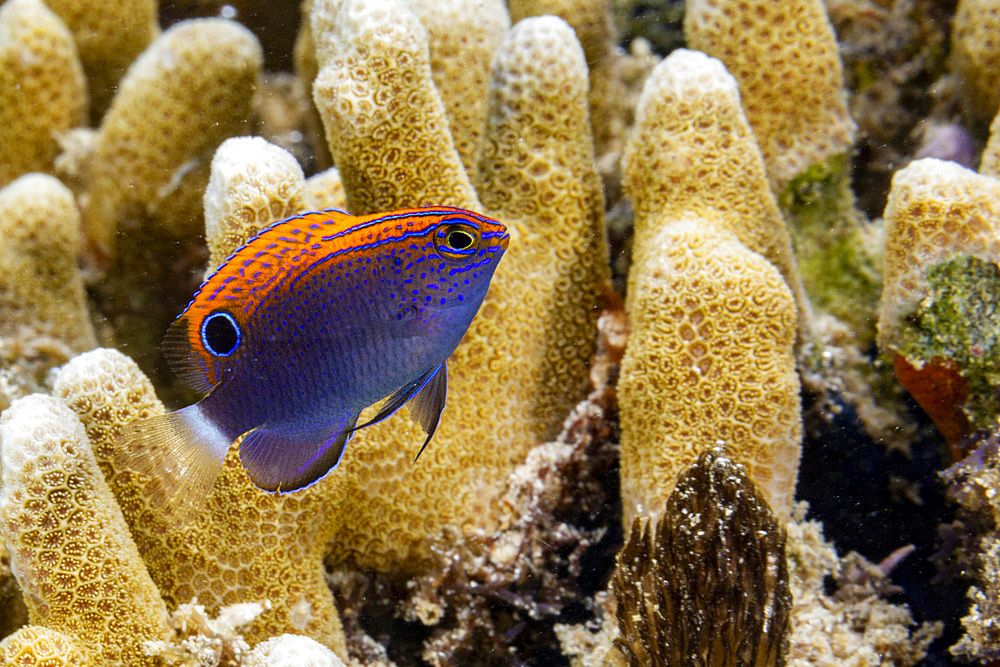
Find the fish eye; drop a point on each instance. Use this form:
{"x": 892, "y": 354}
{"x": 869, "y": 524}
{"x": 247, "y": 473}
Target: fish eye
{"x": 459, "y": 239}
{"x": 220, "y": 334}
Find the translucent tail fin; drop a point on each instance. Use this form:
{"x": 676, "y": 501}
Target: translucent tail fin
{"x": 178, "y": 456}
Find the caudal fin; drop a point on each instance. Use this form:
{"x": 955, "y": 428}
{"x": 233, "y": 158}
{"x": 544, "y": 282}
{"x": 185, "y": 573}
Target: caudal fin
{"x": 179, "y": 456}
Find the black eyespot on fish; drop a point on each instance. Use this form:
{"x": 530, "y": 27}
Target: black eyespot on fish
{"x": 220, "y": 334}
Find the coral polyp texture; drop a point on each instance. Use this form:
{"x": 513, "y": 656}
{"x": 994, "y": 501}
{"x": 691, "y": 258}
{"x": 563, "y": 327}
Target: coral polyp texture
{"x": 183, "y": 96}
{"x": 592, "y": 22}
{"x": 937, "y": 315}
{"x": 709, "y": 360}
{"x": 41, "y": 289}
{"x": 462, "y": 37}
{"x": 535, "y": 173}
{"x": 246, "y": 545}
{"x": 975, "y": 55}
{"x": 70, "y": 548}
{"x": 692, "y": 152}
{"x": 42, "y": 88}
{"x": 990, "y": 163}
{"x": 784, "y": 56}
{"x": 389, "y": 155}
{"x": 39, "y": 646}
{"x": 252, "y": 184}
{"x": 109, "y": 36}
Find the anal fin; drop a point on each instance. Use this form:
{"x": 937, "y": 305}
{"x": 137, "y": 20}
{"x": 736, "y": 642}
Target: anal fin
{"x": 281, "y": 460}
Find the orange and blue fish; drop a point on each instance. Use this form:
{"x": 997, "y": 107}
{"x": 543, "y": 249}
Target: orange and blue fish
{"x": 315, "y": 319}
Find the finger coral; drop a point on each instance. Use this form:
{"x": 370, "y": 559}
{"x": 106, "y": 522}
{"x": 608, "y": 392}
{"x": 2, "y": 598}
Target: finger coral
{"x": 592, "y": 22}
{"x": 186, "y": 93}
{"x": 462, "y": 38}
{"x": 39, "y": 646}
{"x": 692, "y": 151}
{"x": 41, "y": 290}
{"x": 245, "y": 546}
{"x": 941, "y": 284}
{"x": 42, "y": 89}
{"x": 709, "y": 359}
{"x": 252, "y": 184}
{"x": 536, "y": 174}
{"x": 784, "y": 55}
{"x": 109, "y": 36}
{"x": 44, "y": 318}
{"x": 975, "y": 55}
{"x": 70, "y": 548}
{"x": 389, "y": 155}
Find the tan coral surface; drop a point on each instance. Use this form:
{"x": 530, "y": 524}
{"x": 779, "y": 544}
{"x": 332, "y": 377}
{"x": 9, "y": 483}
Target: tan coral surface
{"x": 109, "y": 35}
{"x": 936, "y": 210}
{"x": 784, "y": 56}
{"x": 975, "y": 55}
{"x": 462, "y": 37}
{"x": 70, "y": 548}
{"x": 709, "y": 359}
{"x": 41, "y": 289}
{"x": 42, "y": 89}
{"x": 693, "y": 152}
{"x": 39, "y": 646}
{"x": 536, "y": 174}
{"x": 186, "y": 93}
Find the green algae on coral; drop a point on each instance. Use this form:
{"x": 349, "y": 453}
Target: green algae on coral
{"x": 839, "y": 262}
{"x": 958, "y": 321}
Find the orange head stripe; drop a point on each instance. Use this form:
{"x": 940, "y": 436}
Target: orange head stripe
{"x": 280, "y": 252}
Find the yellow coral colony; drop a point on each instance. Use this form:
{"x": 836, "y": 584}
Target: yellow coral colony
{"x": 709, "y": 356}
{"x": 990, "y": 164}
{"x": 109, "y": 35}
{"x": 462, "y": 37}
{"x": 41, "y": 291}
{"x": 936, "y": 211}
{"x": 252, "y": 184}
{"x": 186, "y": 93}
{"x": 42, "y": 88}
{"x": 784, "y": 56}
{"x": 539, "y": 315}
{"x": 245, "y": 546}
{"x": 975, "y": 55}
{"x": 592, "y": 22}
{"x": 692, "y": 150}
{"x": 70, "y": 548}
{"x": 389, "y": 155}
{"x": 38, "y": 646}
